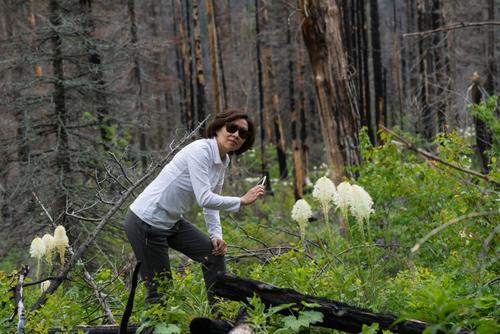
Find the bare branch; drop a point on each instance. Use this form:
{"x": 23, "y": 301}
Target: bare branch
{"x": 431, "y": 156}
{"x": 453, "y": 26}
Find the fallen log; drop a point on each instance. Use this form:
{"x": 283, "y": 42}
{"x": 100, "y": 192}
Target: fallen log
{"x": 336, "y": 315}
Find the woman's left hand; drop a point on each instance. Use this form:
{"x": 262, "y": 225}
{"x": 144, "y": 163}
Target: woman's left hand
{"x": 219, "y": 247}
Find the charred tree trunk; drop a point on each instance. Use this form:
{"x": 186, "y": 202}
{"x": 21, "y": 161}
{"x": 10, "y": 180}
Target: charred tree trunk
{"x": 214, "y": 61}
{"x": 339, "y": 119}
{"x": 491, "y": 76}
{"x": 200, "y": 77}
{"x": 441, "y": 65}
{"x": 221, "y": 34}
{"x": 376, "y": 53}
{"x": 97, "y": 76}
{"x": 60, "y": 111}
{"x": 280, "y": 139}
{"x": 298, "y": 176}
{"x": 137, "y": 79}
{"x": 396, "y": 73}
{"x": 336, "y": 315}
{"x": 264, "y": 168}
{"x": 425, "y": 57}
{"x": 483, "y": 136}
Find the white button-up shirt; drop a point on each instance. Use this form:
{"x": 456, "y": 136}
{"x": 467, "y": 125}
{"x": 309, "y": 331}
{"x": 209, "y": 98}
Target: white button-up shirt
{"x": 196, "y": 173}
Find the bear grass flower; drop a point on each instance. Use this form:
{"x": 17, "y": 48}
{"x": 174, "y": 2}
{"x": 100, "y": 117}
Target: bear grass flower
{"x": 325, "y": 192}
{"x": 343, "y": 197}
{"x": 37, "y": 250}
{"x": 361, "y": 203}
{"x": 61, "y": 241}
{"x": 48, "y": 242}
{"x": 301, "y": 213}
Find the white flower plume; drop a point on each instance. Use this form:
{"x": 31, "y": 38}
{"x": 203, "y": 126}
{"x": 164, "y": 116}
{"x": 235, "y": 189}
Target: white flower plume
{"x": 324, "y": 191}
{"x": 361, "y": 203}
{"x": 343, "y": 197}
{"x": 49, "y": 243}
{"x": 37, "y": 249}
{"x": 301, "y": 211}
{"x": 61, "y": 241}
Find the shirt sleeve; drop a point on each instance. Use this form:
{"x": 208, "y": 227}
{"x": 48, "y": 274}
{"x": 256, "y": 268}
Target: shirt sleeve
{"x": 212, "y": 217}
{"x": 198, "y": 165}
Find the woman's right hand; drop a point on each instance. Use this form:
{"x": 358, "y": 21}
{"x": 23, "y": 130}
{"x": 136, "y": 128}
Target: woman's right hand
{"x": 252, "y": 195}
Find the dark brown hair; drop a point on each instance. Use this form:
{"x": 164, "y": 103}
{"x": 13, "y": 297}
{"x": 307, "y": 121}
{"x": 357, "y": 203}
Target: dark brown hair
{"x": 227, "y": 116}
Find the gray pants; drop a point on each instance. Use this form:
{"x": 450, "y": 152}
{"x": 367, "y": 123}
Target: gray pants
{"x": 150, "y": 245}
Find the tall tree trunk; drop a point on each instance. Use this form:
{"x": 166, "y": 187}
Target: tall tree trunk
{"x": 441, "y": 65}
{"x": 298, "y": 176}
{"x": 483, "y": 135}
{"x": 376, "y": 52}
{"x": 221, "y": 33}
{"x": 425, "y": 57}
{"x": 200, "y": 77}
{"x": 491, "y": 75}
{"x": 60, "y": 110}
{"x": 396, "y": 65}
{"x": 264, "y": 168}
{"x": 304, "y": 148}
{"x": 137, "y": 80}
{"x": 97, "y": 76}
{"x": 280, "y": 138}
{"x": 214, "y": 61}
{"x": 339, "y": 119}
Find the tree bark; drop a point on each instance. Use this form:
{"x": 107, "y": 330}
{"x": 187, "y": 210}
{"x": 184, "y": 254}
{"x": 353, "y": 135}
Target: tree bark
{"x": 336, "y": 315}
{"x": 339, "y": 118}
{"x": 483, "y": 136}
{"x": 137, "y": 79}
{"x": 60, "y": 112}
{"x": 491, "y": 75}
{"x": 376, "y": 53}
{"x": 280, "y": 139}
{"x": 260, "y": 89}
{"x": 298, "y": 176}
{"x": 214, "y": 61}
{"x": 200, "y": 77}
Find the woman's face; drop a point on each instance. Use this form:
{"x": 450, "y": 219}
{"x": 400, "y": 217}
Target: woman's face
{"x": 232, "y": 135}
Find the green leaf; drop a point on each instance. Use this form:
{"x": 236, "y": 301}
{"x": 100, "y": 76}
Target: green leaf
{"x": 167, "y": 329}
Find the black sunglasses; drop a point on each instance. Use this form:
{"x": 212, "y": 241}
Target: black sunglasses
{"x": 232, "y": 128}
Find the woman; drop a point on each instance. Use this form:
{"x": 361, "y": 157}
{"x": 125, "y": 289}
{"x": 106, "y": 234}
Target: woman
{"x": 155, "y": 220}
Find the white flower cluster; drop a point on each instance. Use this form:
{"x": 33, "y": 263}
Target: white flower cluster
{"x": 346, "y": 197}
{"x": 45, "y": 246}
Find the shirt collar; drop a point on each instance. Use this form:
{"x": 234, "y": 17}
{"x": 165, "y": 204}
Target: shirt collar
{"x": 215, "y": 153}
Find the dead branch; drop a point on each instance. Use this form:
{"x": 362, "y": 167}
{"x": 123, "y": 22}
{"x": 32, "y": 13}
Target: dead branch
{"x": 19, "y": 299}
{"x": 104, "y": 220}
{"x": 431, "y": 156}
{"x": 453, "y": 26}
